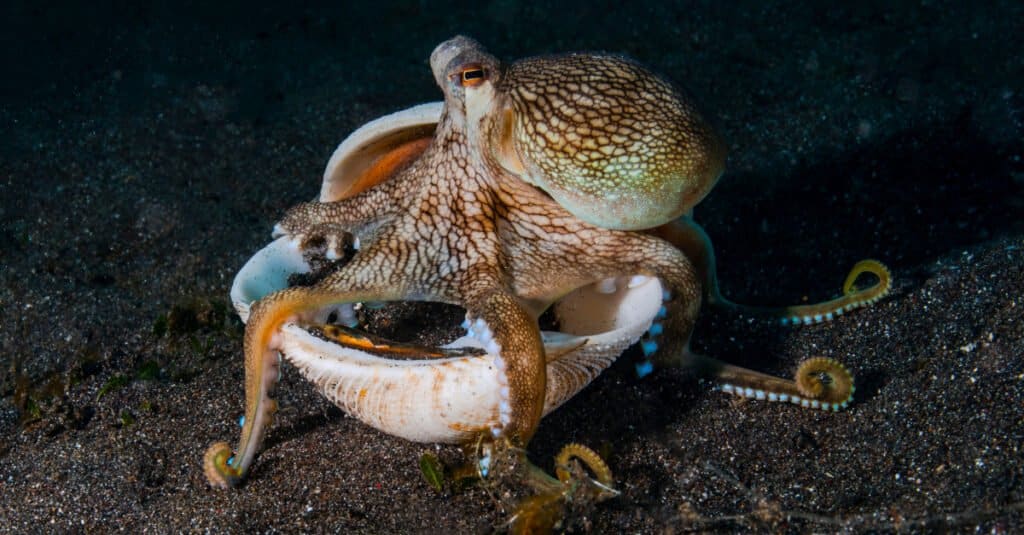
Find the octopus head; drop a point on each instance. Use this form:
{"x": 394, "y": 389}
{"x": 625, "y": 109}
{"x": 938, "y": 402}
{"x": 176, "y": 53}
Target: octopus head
{"x": 613, "y": 143}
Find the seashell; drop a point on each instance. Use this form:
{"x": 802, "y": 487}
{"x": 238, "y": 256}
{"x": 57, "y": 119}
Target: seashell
{"x": 454, "y": 398}
{"x": 376, "y": 150}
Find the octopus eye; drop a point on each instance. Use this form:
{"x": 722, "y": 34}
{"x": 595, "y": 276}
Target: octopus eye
{"x": 471, "y": 75}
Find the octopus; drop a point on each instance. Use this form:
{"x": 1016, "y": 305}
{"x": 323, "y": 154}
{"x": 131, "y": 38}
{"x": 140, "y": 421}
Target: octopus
{"x": 561, "y": 182}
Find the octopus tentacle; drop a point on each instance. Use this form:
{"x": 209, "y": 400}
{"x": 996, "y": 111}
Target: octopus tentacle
{"x": 262, "y": 371}
{"x": 589, "y": 457}
{"x": 511, "y": 334}
{"x": 358, "y": 190}
{"x": 630, "y": 260}
{"x": 369, "y": 208}
{"x": 668, "y": 336}
{"x": 571, "y": 494}
{"x": 687, "y": 235}
{"x": 649, "y": 342}
{"x": 834, "y": 392}
{"x": 680, "y": 300}
{"x": 852, "y": 297}
{"x": 825, "y": 379}
{"x": 808, "y": 389}
{"x": 820, "y": 382}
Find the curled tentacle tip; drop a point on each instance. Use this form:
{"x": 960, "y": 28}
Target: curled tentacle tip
{"x": 874, "y": 267}
{"x": 590, "y": 459}
{"x": 825, "y": 380}
{"x": 215, "y": 466}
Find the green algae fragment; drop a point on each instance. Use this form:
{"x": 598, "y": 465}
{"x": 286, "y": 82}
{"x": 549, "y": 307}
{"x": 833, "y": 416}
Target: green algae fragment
{"x": 432, "y": 471}
{"x": 115, "y": 382}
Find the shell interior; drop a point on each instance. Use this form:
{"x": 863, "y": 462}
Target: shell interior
{"x": 266, "y": 272}
{"x": 377, "y": 149}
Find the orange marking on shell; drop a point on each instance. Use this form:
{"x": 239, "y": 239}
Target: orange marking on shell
{"x": 358, "y": 341}
{"x": 389, "y": 163}
{"x": 463, "y": 428}
{"x": 338, "y": 335}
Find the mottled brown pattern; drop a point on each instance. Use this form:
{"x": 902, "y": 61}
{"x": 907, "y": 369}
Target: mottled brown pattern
{"x": 610, "y": 131}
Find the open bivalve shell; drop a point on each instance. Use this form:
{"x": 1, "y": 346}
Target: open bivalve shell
{"x": 450, "y": 399}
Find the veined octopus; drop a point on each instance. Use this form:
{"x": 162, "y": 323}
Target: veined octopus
{"x": 562, "y": 181}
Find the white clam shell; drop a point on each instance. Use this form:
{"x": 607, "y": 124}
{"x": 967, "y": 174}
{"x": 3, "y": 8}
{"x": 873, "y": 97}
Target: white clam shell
{"x": 266, "y": 272}
{"x": 451, "y": 399}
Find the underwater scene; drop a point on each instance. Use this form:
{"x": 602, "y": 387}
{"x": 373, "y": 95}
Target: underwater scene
{"x": 422, "y": 267}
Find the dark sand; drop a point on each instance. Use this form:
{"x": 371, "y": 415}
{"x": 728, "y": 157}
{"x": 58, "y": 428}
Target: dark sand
{"x": 147, "y": 153}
